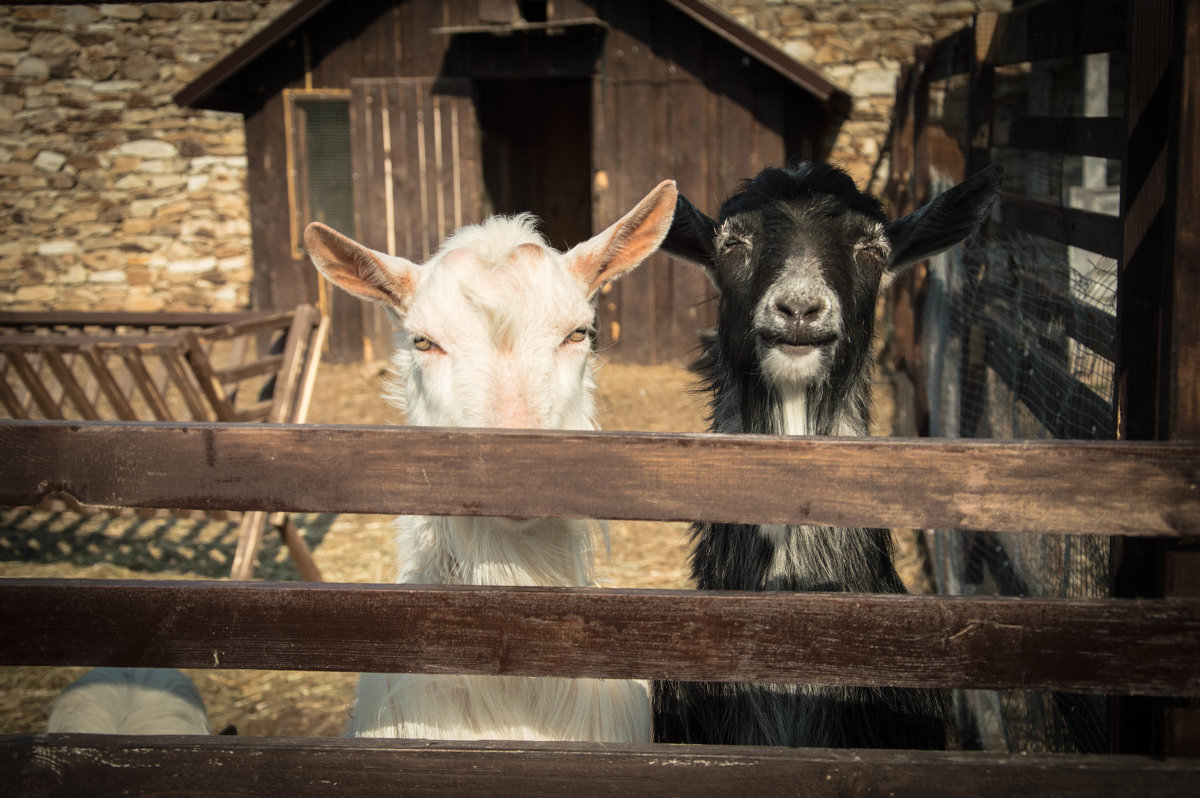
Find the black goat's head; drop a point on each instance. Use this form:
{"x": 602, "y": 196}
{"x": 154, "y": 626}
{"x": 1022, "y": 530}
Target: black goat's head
{"x": 799, "y": 257}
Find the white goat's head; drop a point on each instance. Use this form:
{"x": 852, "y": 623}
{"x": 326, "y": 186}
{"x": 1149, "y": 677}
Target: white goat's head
{"x": 496, "y": 329}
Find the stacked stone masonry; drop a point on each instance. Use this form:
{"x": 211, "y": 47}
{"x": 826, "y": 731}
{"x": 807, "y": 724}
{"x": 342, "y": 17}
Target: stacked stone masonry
{"x": 114, "y": 198}
{"x": 111, "y": 196}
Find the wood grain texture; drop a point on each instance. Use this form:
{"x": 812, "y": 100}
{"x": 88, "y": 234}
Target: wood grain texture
{"x": 97, "y": 766}
{"x": 1143, "y": 647}
{"x": 1071, "y": 487}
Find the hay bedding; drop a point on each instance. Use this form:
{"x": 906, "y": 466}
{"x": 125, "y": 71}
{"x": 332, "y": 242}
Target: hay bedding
{"x": 347, "y": 548}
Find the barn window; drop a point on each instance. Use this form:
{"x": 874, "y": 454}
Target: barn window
{"x": 320, "y": 174}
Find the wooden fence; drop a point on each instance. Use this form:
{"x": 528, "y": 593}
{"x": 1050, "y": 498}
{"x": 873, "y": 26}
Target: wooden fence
{"x": 1072, "y": 314}
{"x": 1107, "y": 646}
{"x": 232, "y": 367}
{"x": 1144, "y": 494}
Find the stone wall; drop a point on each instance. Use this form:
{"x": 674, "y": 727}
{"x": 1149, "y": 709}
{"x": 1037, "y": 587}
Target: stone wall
{"x": 114, "y": 198}
{"x": 111, "y": 196}
{"x": 860, "y": 45}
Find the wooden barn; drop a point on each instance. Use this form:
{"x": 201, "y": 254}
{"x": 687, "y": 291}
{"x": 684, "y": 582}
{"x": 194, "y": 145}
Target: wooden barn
{"x": 396, "y": 121}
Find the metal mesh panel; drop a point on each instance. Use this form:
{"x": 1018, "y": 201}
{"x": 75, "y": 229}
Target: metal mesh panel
{"x": 1019, "y": 334}
{"x": 321, "y": 159}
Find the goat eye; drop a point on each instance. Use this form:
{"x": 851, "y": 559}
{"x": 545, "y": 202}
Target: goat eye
{"x": 576, "y": 336}
{"x": 873, "y": 254}
{"x": 422, "y": 344}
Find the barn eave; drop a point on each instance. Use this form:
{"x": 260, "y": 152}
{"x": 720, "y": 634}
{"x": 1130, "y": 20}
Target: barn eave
{"x": 223, "y": 88}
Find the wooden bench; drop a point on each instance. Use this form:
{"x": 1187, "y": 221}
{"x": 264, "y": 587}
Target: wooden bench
{"x": 231, "y": 367}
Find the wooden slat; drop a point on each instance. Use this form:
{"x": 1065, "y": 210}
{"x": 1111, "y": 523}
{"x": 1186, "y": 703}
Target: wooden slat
{"x": 293, "y": 363}
{"x": 33, "y": 383}
{"x": 90, "y": 319}
{"x": 108, "y": 383}
{"x": 145, "y": 384}
{"x": 1101, "y": 137}
{"x": 180, "y": 375}
{"x": 71, "y": 386}
{"x": 11, "y": 403}
{"x": 1060, "y": 402}
{"x": 1075, "y": 487}
{"x": 103, "y": 765}
{"x": 210, "y": 384}
{"x": 1095, "y": 232}
{"x": 1143, "y": 647}
{"x": 1057, "y": 29}
{"x": 251, "y": 326}
{"x": 264, "y": 365}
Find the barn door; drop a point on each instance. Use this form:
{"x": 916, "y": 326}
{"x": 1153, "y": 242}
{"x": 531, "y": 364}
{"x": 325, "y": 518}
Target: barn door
{"x": 417, "y": 178}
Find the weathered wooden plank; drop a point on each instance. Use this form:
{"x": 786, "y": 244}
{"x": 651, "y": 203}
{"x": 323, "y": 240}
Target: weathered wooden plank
{"x": 145, "y": 384}
{"x": 66, "y": 378}
{"x": 33, "y": 383}
{"x": 1142, "y": 647}
{"x": 268, "y": 364}
{"x": 1095, "y": 232}
{"x": 1073, "y": 487}
{"x": 120, "y": 319}
{"x": 212, "y": 385}
{"x": 108, "y": 383}
{"x": 1057, "y": 29}
{"x": 102, "y": 765}
{"x": 1101, "y": 137}
{"x": 182, "y": 377}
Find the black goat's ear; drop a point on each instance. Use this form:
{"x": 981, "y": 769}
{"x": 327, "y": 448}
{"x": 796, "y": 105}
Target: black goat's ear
{"x": 692, "y": 236}
{"x": 945, "y": 220}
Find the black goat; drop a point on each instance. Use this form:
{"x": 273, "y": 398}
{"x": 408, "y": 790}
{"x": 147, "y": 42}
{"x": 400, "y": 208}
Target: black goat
{"x": 799, "y": 257}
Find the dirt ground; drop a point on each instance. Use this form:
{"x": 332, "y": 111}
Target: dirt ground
{"x": 347, "y": 548}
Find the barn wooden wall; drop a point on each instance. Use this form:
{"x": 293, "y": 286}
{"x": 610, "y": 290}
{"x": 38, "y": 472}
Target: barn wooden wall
{"x": 670, "y": 99}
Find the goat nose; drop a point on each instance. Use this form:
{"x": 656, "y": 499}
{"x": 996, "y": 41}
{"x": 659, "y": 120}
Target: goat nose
{"x": 799, "y": 311}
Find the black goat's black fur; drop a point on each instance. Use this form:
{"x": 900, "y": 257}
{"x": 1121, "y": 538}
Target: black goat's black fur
{"x": 803, "y": 238}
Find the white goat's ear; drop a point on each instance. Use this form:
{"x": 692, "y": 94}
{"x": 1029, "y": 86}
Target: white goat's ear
{"x": 627, "y": 243}
{"x": 363, "y": 272}
{"x": 945, "y": 220}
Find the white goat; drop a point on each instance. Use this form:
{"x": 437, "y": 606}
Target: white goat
{"x": 495, "y": 330}
{"x": 129, "y": 701}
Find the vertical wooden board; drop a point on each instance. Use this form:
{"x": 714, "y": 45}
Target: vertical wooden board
{"x": 769, "y": 148}
{"x": 469, "y": 206}
{"x": 637, "y": 301}
{"x": 736, "y": 136}
{"x": 606, "y": 178}
{"x": 370, "y": 202}
{"x": 270, "y": 221}
{"x": 659, "y": 146}
{"x": 1185, "y": 353}
{"x": 430, "y": 173}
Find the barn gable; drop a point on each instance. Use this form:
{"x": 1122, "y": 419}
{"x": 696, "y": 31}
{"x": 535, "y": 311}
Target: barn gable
{"x": 415, "y": 116}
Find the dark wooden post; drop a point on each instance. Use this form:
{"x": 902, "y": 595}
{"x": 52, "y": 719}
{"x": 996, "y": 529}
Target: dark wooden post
{"x": 1158, "y": 287}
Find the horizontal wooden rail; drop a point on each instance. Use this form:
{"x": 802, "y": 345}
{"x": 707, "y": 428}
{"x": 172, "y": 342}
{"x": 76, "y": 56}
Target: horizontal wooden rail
{"x": 1095, "y": 232}
{"x": 120, "y": 319}
{"x": 1143, "y": 647}
{"x": 1112, "y": 488}
{"x": 1103, "y": 137}
{"x": 98, "y": 765}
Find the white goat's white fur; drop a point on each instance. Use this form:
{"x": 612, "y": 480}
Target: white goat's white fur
{"x": 129, "y": 701}
{"x": 495, "y": 331}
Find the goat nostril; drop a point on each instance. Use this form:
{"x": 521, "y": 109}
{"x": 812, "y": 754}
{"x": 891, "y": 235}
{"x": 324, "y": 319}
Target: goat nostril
{"x": 799, "y": 311}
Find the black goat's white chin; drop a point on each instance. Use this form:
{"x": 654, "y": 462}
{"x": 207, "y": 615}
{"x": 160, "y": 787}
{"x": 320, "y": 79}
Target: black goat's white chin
{"x": 797, "y": 361}
{"x": 794, "y": 365}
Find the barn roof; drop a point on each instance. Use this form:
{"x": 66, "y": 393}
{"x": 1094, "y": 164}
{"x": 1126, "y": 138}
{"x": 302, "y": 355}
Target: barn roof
{"x": 217, "y": 88}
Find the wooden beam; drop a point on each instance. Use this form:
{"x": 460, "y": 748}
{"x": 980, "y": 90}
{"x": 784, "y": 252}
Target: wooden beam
{"x": 1078, "y": 645}
{"x": 116, "y": 319}
{"x": 104, "y": 765}
{"x": 1062, "y": 487}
